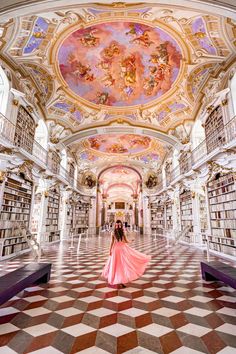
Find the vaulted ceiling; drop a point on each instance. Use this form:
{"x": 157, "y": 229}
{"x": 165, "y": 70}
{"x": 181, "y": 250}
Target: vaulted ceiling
{"x": 135, "y": 65}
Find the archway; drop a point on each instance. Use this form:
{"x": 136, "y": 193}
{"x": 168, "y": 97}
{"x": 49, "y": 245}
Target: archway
{"x": 118, "y": 196}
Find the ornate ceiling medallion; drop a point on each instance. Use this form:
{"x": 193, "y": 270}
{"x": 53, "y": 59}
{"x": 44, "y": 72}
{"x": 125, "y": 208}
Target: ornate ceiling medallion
{"x": 119, "y": 64}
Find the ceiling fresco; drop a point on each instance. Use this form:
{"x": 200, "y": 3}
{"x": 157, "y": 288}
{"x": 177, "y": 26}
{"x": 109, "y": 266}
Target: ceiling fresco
{"x": 119, "y": 63}
{"x": 120, "y": 143}
{"x": 98, "y": 150}
{"x": 144, "y": 66}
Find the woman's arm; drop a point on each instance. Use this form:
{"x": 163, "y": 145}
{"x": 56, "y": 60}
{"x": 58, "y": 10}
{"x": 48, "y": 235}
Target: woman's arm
{"x": 112, "y": 241}
{"x": 125, "y": 239}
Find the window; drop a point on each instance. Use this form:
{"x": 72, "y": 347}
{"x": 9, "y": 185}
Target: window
{"x": 4, "y": 91}
{"x": 233, "y": 92}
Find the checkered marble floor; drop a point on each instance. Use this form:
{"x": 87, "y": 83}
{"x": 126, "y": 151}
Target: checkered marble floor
{"x": 169, "y": 310}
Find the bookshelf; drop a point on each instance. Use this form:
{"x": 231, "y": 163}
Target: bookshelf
{"x": 169, "y": 215}
{"x": 186, "y": 214}
{"x": 15, "y": 209}
{"x": 81, "y": 213}
{"x": 222, "y": 205}
{"x": 157, "y": 217}
{"x": 222, "y": 245}
{"x": 25, "y": 130}
{"x": 214, "y": 129}
{"x": 52, "y": 227}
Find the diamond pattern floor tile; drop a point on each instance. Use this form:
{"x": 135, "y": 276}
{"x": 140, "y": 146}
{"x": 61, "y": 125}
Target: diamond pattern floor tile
{"x": 168, "y": 310}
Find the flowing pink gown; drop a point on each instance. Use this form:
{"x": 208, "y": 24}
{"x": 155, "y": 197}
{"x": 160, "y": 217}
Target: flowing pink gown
{"x": 125, "y": 264}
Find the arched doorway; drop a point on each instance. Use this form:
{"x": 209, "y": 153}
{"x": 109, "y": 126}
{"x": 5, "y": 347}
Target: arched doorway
{"x": 119, "y": 197}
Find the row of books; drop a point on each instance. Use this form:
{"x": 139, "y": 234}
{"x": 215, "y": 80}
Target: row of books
{"x": 223, "y": 198}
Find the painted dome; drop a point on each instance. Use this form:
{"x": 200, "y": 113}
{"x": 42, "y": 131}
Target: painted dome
{"x": 119, "y": 63}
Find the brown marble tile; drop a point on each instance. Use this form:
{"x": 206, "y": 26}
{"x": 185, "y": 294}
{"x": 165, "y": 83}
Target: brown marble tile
{"x": 213, "y": 342}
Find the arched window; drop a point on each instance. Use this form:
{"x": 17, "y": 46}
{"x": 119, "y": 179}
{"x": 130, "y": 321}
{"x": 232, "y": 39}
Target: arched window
{"x": 4, "y": 91}
{"x": 233, "y": 92}
{"x": 41, "y": 134}
{"x": 197, "y": 134}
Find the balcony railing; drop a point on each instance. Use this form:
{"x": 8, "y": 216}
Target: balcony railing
{"x": 7, "y": 129}
{"x": 7, "y": 132}
{"x": 201, "y": 150}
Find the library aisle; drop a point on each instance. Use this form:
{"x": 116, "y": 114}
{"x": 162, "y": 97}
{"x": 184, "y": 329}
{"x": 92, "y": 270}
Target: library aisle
{"x": 168, "y": 310}
{"x": 118, "y": 111}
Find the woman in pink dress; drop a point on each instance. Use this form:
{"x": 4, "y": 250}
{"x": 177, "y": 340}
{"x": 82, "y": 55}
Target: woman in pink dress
{"x": 124, "y": 263}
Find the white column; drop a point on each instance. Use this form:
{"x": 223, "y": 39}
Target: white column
{"x": 63, "y": 215}
{"x": 146, "y": 214}
{"x": 196, "y": 218}
{"x": 92, "y": 214}
{"x": 42, "y": 217}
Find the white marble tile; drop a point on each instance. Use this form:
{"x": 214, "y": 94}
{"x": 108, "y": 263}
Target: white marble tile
{"x": 227, "y": 298}
{"x": 7, "y": 350}
{"x": 133, "y": 312}
{"x": 7, "y": 311}
{"x": 164, "y": 311}
{"x": 116, "y": 330}
{"x": 58, "y": 289}
{"x": 101, "y": 312}
{"x": 174, "y": 299}
{"x": 227, "y": 350}
{"x": 7, "y": 328}
{"x": 186, "y": 350}
{"x": 145, "y": 299}
{"x": 139, "y": 350}
{"x": 38, "y": 311}
{"x": 227, "y": 328}
{"x": 155, "y": 330}
{"x": 198, "y": 312}
{"x": 69, "y": 311}
{"x": 40, "y": 330}
{"x": 93, "y": 350}
{"x": 194, "y": 330}
{"x": 202, "y": 299}
{"x": 227, "y": 311}
{"x": 178, "y": 289}
{"x": 61, "y": 299}
{"x": 118, "y": 299}
{"x": 47, "y": 350}
{"x": 78, "y": 330}
{"x": 35, "y": 298}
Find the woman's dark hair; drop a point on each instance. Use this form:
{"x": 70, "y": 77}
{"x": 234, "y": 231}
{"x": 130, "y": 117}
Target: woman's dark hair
{"x": 119, "y": 232}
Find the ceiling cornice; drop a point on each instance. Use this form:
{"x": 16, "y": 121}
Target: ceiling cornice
{"x": 15, "y": 8}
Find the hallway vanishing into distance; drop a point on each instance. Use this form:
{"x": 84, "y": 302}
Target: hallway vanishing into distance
{"x": 117, "y": 117}
{"x": 169, "y": 310}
